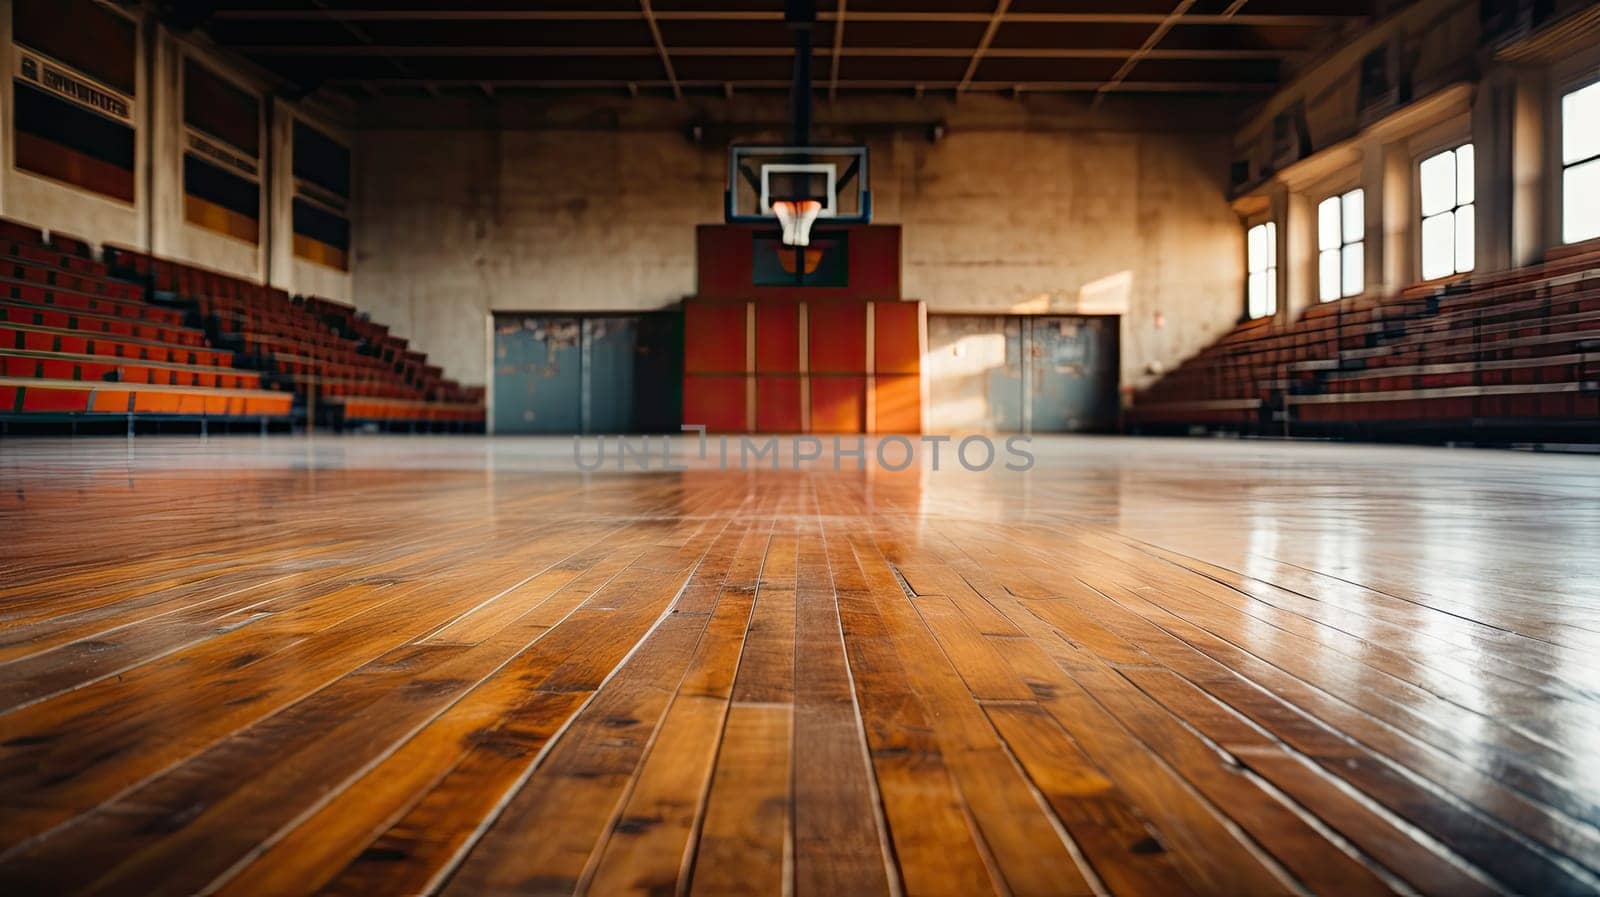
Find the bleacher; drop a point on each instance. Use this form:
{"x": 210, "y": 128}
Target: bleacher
{"x": 343, "y": 369}
{"x": 79, "y": 346}
{"x": 1495, "y": 354}
{"x": 136, "y": 338}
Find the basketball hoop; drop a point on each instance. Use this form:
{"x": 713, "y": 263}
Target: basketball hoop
{"x": 796, "y": 218}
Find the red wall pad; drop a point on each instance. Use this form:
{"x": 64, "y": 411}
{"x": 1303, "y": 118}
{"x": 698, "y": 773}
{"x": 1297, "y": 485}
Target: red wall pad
{"x": 838, "y": 337}
{"x": 897, "y": 403}
{"x": 725, "y": 265}
{"x": 714, "y": 337}
{"x": 778, "y": 338}
{"x": 838, "y": 404}
{"x": 716, "y": 403}
{"x": 778, "y": 405}
{"x": 897, "y": 337}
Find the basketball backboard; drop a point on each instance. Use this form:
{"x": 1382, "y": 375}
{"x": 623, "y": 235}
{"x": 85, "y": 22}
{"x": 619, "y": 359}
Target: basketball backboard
{"x": 791, "y": 187}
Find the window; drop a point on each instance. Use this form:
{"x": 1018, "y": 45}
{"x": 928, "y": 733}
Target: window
{"x": 1580, "y": 164}
{"x": 1447, "y": 213}
{"x": 1341, "y": 261}
{"x": 1261, "y": 261}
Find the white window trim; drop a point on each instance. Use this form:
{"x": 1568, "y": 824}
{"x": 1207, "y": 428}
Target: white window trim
{"x": 1339, "y": 193}
{"x": 1562, "y": 166}
{"x": 1271, "y": 269}
{"x": 1433, "y": 147}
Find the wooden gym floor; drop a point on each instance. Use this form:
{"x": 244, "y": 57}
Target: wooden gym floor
{"x": 401, "y": 665}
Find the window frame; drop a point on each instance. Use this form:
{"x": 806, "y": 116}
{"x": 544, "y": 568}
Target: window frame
{"x": 1420, "y": 218}
{"x": 1339, "y": 196}
{"x": 1558, "y": 152}
{"x": 1269, "y": 271}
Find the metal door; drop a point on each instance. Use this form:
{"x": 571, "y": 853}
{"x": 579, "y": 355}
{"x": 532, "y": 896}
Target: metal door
{"x": 588, "y": 373}
{"x": 538, "y": 374}
{"x": 1016, "y": 374}
{"x": 609, "y": 348}
{"x": 1072, "y": 374}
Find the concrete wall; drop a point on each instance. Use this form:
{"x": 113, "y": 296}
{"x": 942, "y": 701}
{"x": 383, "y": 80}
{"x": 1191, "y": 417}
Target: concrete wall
{"x": 456, "y": 224}
{"x": 154, "y": 222}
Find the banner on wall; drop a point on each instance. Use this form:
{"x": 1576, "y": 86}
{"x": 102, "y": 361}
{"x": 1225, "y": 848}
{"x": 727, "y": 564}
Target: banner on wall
{"x": 71, "y": 127}
{"x": 322, "y": 198}
{"x": 222, "y": 153}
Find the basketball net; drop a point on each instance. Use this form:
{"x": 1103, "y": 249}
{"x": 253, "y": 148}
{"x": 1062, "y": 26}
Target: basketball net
{"x": 796, "y": 216}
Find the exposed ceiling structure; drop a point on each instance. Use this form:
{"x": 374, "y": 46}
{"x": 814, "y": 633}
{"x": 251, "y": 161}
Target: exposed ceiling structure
{"x": 679, "y": 47}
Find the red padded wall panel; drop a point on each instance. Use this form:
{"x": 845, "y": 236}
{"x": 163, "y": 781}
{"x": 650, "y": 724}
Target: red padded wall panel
{"x": 722, "y": 260}
{"x": 838, "y": 404}
{"x": 778, "y": 405}
{"x": 875, "y": 262}
{"x": 897, "y": 337}
{"x": 897, "y": 403}
{"x": 714, "y": 337}
{"x": 778, "y": 337}
{"x": 724, "y": 264}
{"x": 716, "y": 403}
{"x": 837, "y": 337}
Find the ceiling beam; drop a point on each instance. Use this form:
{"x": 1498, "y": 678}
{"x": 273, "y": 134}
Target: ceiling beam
{"x": 838, "y": 48}
{"x": 723, "y": 85}
{"x": 1000, "y": 8}
{"x": 1043, "y": 18}
{"x": 1149, "y": 44}
{"x": 300, "y": 50}
{"x": 361, "y": 35}
{"x": 661, "y": 48}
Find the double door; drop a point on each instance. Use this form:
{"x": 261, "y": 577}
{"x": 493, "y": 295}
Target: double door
{"x": 587, "y": 373}
{"x": 1022, "y": 374}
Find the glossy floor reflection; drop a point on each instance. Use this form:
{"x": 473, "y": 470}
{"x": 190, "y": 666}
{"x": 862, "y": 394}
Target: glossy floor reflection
{"x": 416, "y": 665}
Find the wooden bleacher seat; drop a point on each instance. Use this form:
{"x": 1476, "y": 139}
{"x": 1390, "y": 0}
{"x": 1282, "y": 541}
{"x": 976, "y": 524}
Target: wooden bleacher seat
{"x": 76, "y": 366}
{"x": 342, "y": 367}
{"x": 74, "y": 342}
{"x": 86, "y": 336}
{"x": 388, "y": 409}
{"x": 70, "y": 244}
{"x": 24, "y": 395}
{"x": 1497, "y": 349}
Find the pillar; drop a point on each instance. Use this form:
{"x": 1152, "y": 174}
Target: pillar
{"x": 1297, "y": 231}
{"x": 1492, "y": 117}
{"x": 1532, "y": 228}
{"x": 1399, "y": 220}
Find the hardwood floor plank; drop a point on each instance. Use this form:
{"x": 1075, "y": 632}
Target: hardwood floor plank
{"x": 1424, "y": 864}
{"x": 1421, "y": 804}
{"x": 402, "y": 666}
{"x": 1121, "y": 845}
{"x": 937, "y": 852}
{"x": 1449, "y": 772}
{"x": 746, "y": 841}
{"x": 839, "y": 841}
{"x": 562, "y": 674}
{"x": 1017, "y": 830}
{"x": 647, "y": 849}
